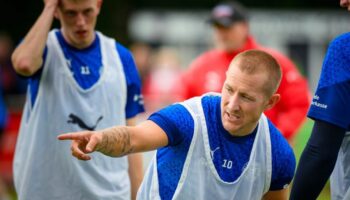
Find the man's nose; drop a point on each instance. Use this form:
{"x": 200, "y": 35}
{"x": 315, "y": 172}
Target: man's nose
{"x": 80, "y": 19}
{"x": 234, "y": 103}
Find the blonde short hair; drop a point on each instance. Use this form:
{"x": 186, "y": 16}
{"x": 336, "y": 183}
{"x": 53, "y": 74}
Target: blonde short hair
{"x": 258, "y": 61}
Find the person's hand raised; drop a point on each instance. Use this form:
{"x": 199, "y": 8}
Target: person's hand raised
{"x": 51, "y": 3}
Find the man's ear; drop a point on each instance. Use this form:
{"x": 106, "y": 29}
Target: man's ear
{"x": 274, "y": 99}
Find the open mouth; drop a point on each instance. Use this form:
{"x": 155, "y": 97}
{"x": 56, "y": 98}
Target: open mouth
{"x": 81, "y": 33}
{"x": 232, "y": 117}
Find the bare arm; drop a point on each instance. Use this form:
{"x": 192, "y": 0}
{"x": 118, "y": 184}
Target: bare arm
{"x": 27, "y": 57}
{"x": 277, "y": 195}
{"x": 117, "y": 141}
{"x": 135, "y": 167}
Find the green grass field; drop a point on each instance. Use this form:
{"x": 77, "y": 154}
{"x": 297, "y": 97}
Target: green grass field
{"x": 300, "y": 142}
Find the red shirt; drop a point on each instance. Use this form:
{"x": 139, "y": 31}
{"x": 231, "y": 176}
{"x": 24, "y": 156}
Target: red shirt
{"x": 207, "y": 74}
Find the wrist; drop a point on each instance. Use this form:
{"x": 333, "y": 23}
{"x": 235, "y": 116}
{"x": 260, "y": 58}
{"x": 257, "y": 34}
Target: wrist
{"x": 50, "y": 7}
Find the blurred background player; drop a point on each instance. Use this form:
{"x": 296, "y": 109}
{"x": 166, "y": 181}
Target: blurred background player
{"x": 207, "y": 72}
{"x": 328, "y": 151}
{"x": 79, "y": 79}
{"x": 209, "y": 147}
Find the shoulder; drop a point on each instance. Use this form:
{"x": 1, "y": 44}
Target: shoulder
{"x": 341, "y": 40}
{"x": 123, "y": 51}
{"x": 211, "y": 98}
{"x": 53, "y": 35}
{"x": 175, "y": 120}
{"x": 172, "y": 111}
{"x": 128, "y": 63}
{"x": 339, "y": 46}
{"x": 338, "y": 50}
{"x": 335, "y": 65}
{"x": 209, "y": 101}
{"x": 126, "y": 58}
{"x": 103, "y": 36}
{"x": 182, "y": 111}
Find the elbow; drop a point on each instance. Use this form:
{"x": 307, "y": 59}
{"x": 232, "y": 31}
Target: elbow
{"x": 23, "y": 66}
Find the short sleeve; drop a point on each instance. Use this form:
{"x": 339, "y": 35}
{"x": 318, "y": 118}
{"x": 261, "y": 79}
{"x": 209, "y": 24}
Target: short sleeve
{"x": 34, "y": 80}
{"x": 134, "y": 103}
{"x": 176, "y": 122}
{"x": 331, "y": 99}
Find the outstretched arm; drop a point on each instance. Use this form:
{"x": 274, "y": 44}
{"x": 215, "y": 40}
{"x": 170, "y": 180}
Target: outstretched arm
{"x": 117, "y": 141}
{"x": 27, "y": 57}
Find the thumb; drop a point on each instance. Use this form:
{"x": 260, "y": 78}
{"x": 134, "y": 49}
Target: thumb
{"x": 91, "y": 145}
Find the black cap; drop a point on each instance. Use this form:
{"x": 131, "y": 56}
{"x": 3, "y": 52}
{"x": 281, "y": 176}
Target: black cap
{"x": 225, "y": 14}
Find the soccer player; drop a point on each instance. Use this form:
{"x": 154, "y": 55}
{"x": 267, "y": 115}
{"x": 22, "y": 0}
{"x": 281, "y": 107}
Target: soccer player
{"x": 79, "y": 79}
{"x": 328, "y": 148}
{"x": 231, "y": 31}
{"x": 209, "y": 147}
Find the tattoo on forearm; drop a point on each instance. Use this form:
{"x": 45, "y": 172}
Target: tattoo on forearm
{"x": 116, "y": 142}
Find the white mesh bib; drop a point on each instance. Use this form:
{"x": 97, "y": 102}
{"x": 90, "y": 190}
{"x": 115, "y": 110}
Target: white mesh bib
{"x": 43, "y": 166}
{"x": 199, "y": 178}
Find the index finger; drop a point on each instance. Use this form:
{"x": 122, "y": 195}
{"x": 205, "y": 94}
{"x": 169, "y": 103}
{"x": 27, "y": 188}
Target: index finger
{"x": 73, "y": 136}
